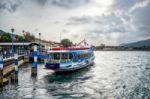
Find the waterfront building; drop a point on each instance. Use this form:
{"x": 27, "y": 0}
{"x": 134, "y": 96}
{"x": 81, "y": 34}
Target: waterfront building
{"x": 19, "y": 48}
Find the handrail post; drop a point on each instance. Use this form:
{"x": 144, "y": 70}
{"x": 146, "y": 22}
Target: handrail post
{"x": 15, "y": 73}
{"x": 12, "y": 40}
{"x": 1, "y": 70}
{"x": 35, "y": 63}
{"x": 45, "y": 59}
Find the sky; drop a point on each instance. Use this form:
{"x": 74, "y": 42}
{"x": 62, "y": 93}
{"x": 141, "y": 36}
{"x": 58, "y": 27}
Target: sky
{"x": 111, "y": 22}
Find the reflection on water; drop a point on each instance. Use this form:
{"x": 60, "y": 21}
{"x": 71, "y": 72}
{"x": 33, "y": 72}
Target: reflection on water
{"x": 114, "y": 75}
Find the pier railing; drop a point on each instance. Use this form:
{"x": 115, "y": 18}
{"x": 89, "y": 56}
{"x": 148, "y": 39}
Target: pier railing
{"x": 10, "y": 60}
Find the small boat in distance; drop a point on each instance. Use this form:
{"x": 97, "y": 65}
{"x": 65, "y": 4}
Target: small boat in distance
{"x": 69, "y": 59}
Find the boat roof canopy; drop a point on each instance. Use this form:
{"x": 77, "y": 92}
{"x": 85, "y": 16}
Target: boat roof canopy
{"x": 58, "y": 51}
{"x": 68, "y": 51}
{"x": 69, "y": 48}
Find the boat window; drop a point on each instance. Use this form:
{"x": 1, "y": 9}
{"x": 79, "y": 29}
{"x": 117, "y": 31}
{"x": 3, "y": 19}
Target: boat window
{"x": 84, "y": 55}
{"x": 66, "y": 56}
{"x": 56, "y": 56}
{"x": 70, "y": 56}
{"x": 79, "y": 56}
{"x": 50, "y": 55}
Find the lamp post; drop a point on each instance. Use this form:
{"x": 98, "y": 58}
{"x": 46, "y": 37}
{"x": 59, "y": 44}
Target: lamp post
{"x": 23, "y": 42}
{"x": 12, "y": 39}
{"x": 39, "y": 42}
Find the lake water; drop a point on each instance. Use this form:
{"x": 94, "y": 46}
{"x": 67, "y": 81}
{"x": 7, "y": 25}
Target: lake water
{"x": 115, "y": 75}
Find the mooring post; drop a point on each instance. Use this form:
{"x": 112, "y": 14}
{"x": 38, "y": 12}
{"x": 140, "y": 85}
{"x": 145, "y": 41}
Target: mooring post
{"x": 34, "y": 65}
{"x": 14, "y": 76}
{"x": 1, "y": 70}
{"x": 45, "y": 59}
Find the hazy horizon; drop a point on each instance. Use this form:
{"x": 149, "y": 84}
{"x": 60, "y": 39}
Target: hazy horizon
{"x": 111, "y": 22}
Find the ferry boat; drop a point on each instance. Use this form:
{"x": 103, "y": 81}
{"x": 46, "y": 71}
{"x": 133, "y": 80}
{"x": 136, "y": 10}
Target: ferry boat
{"x": 69, "y": 59}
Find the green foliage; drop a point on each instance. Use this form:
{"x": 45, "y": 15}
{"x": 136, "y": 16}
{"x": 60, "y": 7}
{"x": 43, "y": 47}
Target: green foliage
{"x": 66, "y": 43}
{"x": 20, "y": 39}
{"x": 6, "y": 37}
{"x": 102, "y": 46}
{"x": 29, "y": 37}
{"x": 142, "y": 48}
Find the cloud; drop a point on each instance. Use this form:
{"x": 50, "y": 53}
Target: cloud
{"x": 56, "y": 22}
{"x": 65, "y": 31}
{"x": 84, "y": 20}
{"x": 2, "y": 5}
{"x": 129, "y": 19}
{"x": 124, "y": 4}
{"x": 95, "y": 34}
{"x": 41, "y": 2}
{"x": 139, "y": 5}
{"x": 97, "y": 24}
{"x": 141, "y": 18}
{"x": 79, "y": 20}
{"x": 69, "y": 3}
{"x": 111, "y": 21}
{"x": 63, "y": 3}
{"x": 139, "y": 14}
{"x": 75, "y": 35}
{"x": 10, "y": 5}
{"x": 137, "y": 11}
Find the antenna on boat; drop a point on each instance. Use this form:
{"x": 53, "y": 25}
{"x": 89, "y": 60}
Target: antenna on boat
{"x": 60, "y": 47}
{"x": 60, "y": 40}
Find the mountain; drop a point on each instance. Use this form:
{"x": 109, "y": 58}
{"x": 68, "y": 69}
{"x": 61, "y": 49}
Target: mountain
{"x": 1, "y": 32}
{"x": 137, "y": 44}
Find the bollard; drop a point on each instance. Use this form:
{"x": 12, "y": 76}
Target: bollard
{"x": 1, "y": 70}
{"x": 34, "y": 65}
{"x": 14, "y": 76}
{"x": 45, "y": 60}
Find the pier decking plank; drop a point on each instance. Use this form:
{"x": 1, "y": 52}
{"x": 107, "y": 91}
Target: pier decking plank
{"x": 8, "y": 70}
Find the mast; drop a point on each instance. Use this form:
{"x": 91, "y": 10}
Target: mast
{"x": 60, "y": 39}
{"x": 60, "y": 48}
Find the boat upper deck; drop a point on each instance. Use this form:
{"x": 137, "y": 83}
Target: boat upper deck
{"x": 69, "y": 51}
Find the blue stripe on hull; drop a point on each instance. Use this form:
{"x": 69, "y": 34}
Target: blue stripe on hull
{"x": 74, "y": 69}
{"x": 52, "y": 66}
{"x": 57, "y": 68}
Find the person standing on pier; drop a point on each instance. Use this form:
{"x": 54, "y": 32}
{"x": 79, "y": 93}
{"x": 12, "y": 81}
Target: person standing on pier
{"x": 5, "y": 53}
{"x": 0, "y": 50}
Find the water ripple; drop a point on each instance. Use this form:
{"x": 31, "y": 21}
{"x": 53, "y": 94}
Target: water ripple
{"x": 115, "y": 75}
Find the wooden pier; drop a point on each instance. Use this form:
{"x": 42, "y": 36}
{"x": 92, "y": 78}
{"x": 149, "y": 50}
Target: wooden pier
{"x": 9, "y": 67}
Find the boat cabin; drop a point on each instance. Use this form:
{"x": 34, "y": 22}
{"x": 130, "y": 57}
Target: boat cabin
{"x": 67, "y": 55}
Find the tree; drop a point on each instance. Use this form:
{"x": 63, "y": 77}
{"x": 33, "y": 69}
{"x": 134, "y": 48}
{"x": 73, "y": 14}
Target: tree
{"x": 6, "y": 37}
{"x": 0, "y": 48}
{"x": 102, "y": 46}
{"x": 20, "y": 39}
{"x": 29, "y": 37}
{"x": 66, "y": 43}
{"x": 16, "y": 38}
